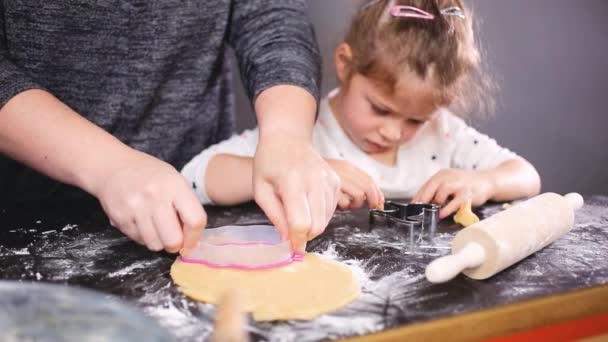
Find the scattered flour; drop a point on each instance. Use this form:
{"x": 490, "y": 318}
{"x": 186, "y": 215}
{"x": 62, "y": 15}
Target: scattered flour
{"x": 131, "y": 268}
{"x": 68, "y": 227}
{"x": 22, "y": 251}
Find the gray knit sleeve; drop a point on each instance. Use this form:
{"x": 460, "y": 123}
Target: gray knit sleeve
{"x": 12, "y": 79}
{"x": 275, "y": 44}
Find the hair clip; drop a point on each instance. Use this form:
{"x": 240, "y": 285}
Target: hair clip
{"x": 411, "y": 12}
{"x": 453, "y": 11}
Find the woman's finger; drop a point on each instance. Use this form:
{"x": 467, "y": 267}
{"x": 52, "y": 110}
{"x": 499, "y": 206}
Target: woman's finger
{"x": 316, "y": 200}
{"x": 166, "y": 223}
{"x": 193, "y": 219}
{"x": 148, "y": 232}
{"x": 299, "y": 216}
{"x": 270, "y": 203}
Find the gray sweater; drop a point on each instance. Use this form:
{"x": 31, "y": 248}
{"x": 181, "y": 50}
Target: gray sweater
{"x": 154, "y": 73}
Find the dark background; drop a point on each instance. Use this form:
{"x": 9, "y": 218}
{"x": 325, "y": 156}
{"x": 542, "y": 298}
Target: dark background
{"x": 550, "y": 58}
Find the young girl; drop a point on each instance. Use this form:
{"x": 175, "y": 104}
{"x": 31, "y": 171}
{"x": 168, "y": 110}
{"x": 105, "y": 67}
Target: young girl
{"x": 404, "y": 65}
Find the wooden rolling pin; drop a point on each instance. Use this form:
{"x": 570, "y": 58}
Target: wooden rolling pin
{"x": 491, "y": 245}
{"x": 230, "y": 318}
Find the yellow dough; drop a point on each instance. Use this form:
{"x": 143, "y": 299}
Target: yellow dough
{"x": 465, "y": 215}
{"x": 301, "y": 290}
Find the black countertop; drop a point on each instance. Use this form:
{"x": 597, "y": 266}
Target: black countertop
{"x": 73, "y": 244}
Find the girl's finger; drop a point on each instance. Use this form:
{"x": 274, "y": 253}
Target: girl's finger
{"x": 356, "y": 196}
{"x": 369, "y": 187}
{"x": 454, "y": 204}
{"x": 427, "y": 192}
{"x": 444, "y": 191}
{"x": 372, "y": 193}
{"x": 344, "y": 201}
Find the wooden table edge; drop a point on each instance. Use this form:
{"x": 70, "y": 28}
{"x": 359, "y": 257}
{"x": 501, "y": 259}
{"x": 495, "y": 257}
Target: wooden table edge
{"x": 504, "y": 320}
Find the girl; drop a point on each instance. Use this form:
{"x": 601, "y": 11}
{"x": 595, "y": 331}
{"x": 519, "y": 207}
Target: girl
{"x": 405, "y": 68}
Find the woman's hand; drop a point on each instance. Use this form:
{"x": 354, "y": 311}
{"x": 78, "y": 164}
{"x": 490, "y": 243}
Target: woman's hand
{"x": 144, "y": 197}
{"x": 295, "y": 187}
{"x": 151, "y": 203}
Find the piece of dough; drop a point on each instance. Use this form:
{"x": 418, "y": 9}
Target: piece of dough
{"x": 465, "y": 215}
{"x": 301, "y": 290}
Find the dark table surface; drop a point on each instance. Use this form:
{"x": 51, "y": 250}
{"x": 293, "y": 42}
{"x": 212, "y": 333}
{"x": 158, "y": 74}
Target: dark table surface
{"x": 73, "y": 244}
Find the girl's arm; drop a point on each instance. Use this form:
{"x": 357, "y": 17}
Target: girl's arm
{"x": 222, "y": 173}
{"x": 512, "y": 179}
{"x": 228, "y": 179}
{"x": 228, "y": 182}
{"x": 481, "y": 170}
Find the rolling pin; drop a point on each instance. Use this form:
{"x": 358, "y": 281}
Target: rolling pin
{"x": 230, "y": 318}
{"x": 491, "y": 245}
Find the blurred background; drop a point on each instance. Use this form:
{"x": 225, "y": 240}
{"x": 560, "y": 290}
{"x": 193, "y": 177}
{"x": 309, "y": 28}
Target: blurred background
{"x": 550, "y": 58}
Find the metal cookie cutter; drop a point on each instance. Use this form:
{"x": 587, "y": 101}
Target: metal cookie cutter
{"x": 417, "y": 220}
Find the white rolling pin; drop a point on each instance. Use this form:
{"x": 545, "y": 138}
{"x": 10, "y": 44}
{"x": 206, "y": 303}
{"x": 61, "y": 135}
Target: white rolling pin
{"x": 491, "y": 245}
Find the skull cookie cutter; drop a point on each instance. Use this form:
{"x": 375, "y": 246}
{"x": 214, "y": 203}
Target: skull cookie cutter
{"x": 417, "y": 220}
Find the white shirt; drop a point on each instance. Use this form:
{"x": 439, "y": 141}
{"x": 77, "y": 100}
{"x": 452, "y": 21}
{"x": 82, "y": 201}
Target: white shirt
{"x": 446, "y": 141}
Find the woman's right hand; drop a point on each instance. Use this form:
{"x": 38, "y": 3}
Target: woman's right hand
{"x": 146, "y": 198}
{"x": 151, "y": 203}
{"x": 357, "y": 187}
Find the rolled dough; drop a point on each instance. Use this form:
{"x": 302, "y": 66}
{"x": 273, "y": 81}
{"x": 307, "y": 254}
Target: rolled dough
{"x": 300, "y": 290}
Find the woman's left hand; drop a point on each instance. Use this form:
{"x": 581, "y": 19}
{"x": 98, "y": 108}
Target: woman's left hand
{"x": 296, "y": 188}
{"x": 452, "y": 187}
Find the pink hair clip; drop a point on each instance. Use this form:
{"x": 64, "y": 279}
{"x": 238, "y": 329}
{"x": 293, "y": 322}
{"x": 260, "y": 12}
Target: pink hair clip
{"x": 411, "y": 12}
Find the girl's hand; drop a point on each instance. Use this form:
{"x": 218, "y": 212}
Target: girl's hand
{"x": 452, "y": 187}
{"x": 357, "y": 186}
{"x": 294, "y": 186}
{"x": 151, "y": 203}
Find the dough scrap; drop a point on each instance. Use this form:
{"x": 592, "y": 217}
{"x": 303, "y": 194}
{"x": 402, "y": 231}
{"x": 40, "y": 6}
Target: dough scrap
{"x": 300, "y": 290}
{"x": 465, "y": 215}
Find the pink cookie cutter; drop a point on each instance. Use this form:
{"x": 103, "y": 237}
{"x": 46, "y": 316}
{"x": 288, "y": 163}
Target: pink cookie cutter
{"x": 257, "y": 247}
